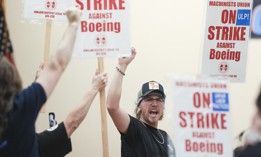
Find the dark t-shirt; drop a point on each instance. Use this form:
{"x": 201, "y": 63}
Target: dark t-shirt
{"x": 19, "y": 140}
{"x": 54, "y": 142}
{"x": 237, "y": 151}
{"x": 250, "y": 151}
{"x": 142, "y": 140}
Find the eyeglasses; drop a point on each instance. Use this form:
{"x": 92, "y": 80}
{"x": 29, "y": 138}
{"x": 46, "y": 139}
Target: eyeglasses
{"x": 151, "y": 100}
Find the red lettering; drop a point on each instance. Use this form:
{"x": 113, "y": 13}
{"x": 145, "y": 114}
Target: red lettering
{"x": 206, "y": 100}
{"x": 191, "y": 114}
{"x": 83, "y": 26}
{"x": 97, "y": 5}
{"x": 102, "y": 4}
{"x": 201, "y": 101}
{"x": 183, "y": 123}
{"x": 113, "y": 5}
{"x": 200, "y": 120}
{"x": 228, "y": 17}
{"x": 207, "y": 147}
{"x": 203, "y": 120}
{"x": 121, "y": 7}
{"x": 224, "y": 55}
{"x": 196, "y": 99}
{"x": 223, "y": 121}
{"x": 226, "y": 33}
{"x": 214, "y": 122}
{"x": 187, "y": 145}
{"x": 211, "y": 34}
{"x": 80, "y": 4}
{"x": 101, "y": 27}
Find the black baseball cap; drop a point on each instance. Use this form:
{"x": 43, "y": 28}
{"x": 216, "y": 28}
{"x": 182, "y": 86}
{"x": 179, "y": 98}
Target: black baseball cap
{"x": 148, "y": 88}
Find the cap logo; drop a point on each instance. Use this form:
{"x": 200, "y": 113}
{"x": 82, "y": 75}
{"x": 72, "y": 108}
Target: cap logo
{"x": 153, "y": 85}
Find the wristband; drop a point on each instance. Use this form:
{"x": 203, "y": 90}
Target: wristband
{"x": 120, "y": 71}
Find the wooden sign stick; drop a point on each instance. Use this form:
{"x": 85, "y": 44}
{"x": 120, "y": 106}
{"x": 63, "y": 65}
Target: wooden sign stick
{"x": 48, "y": 28}
{"x": 103, "y": 113}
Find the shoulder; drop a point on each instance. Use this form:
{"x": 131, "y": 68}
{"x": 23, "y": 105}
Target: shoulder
{"x": 135, "y": 126}
{"x": 32, "y": 94}
{"x": 33, "y": 89}
{"x": 135, "y": 122}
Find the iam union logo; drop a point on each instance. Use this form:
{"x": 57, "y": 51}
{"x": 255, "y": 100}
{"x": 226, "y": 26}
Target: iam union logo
{"x": 50, "y": 4}
{"x": 223, "y": 67}
{"x": 101, "y": 40}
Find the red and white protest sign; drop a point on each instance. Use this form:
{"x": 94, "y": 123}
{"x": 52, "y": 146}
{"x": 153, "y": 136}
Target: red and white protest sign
{"x": 104, "y": 29}
{"x": 202, "y": 120}
{"x": 226, "y": 39}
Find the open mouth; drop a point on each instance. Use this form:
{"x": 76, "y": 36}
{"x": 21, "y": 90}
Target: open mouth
{"x": 153, "y": 112}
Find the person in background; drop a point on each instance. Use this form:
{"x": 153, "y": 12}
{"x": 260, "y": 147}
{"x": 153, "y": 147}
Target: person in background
{"x": 251, "y": 139}
{"x": 19, "y": 107}
{"x": 140, "y": 136}
{"x": 56, "y": 141}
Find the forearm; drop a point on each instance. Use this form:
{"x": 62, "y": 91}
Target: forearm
{"x": 75, "y": 118}
{"x": 114, "y": 93}
{"x": 60, "y": 59}
{"x": 58, "y": 62}
{"x": 66, "y": 45}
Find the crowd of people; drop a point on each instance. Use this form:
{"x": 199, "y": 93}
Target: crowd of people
{"x": 19, "y": 108}
{"x": 140, "y": 135}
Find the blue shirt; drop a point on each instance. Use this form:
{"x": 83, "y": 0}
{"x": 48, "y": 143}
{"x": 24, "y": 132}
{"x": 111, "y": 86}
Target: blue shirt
{"x": 19, "y": 140}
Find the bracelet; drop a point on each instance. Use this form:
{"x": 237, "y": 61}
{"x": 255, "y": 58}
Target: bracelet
{"x": 120, "y": 71}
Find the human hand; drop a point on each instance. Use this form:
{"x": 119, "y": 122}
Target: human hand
{"x": 73, "y": 15}
{"x": 99, "y": 81}
{"x": 126, "y": 60}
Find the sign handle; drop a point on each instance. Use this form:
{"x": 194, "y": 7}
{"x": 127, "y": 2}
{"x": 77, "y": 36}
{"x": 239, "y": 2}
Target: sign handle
{"x": 48, "y": 28}
{"x": 103, "y": 113}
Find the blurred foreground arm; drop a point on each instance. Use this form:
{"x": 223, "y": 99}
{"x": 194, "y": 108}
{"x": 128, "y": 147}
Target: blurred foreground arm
{"x": 60, "y": 59}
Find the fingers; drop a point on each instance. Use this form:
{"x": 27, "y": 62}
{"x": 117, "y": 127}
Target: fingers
{"x": 73, "y": 14}
{"x": 104, "y": 78}
{"x": 133, "y": 51}
{"x": 101, "y": 78}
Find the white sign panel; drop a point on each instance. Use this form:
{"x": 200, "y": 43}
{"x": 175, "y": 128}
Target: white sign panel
{"x": 104, "y": 29}
{"x": 202, "y": 120}
{"x": 226, "y": 39}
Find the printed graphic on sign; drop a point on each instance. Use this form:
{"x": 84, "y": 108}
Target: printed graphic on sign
{"x": 101, "y": 40}
{"x": 223, "y": 67}
{"x": 201, "y": 118}
{"x": 226, "y": 39}
{"x": 220, "y": 101}
{"x": 50, "y": 4}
